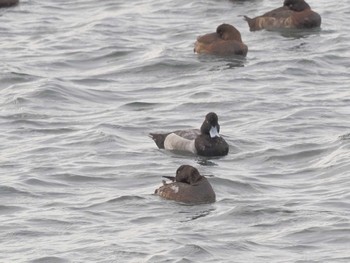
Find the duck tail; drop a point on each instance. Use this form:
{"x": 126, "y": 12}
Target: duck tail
{"x": 246, "y": 18}
{"x": 158, "y": 139}
{"x": 251, "y": 22}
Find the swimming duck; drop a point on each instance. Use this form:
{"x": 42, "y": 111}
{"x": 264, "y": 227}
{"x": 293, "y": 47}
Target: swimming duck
{"x": 188, "y": 186}
{"x": 293, "y": 14}
{"x": 205, "y": 141}
{"x": 8, "y": 3}
{"x": 225, "y": 41}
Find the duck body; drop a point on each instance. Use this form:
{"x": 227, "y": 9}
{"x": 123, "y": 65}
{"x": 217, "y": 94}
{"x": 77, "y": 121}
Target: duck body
{"x": 204, "y": 142}
{"x": 225, "y": 41}
{"x": 188, "y": 186}
{"x": 295, "y": 14}
{"x": 8, "y": 3}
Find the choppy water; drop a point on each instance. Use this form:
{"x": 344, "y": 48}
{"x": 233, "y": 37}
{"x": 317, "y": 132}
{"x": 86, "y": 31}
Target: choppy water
{"x": 84, "y": 82}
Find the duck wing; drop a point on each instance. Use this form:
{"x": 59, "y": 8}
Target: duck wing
{"x": 189, "y": 134}
{"x": 281, "y": 12}
{"x": 208, "y": 38}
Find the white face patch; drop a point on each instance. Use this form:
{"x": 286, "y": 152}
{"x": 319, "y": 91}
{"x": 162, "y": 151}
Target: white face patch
{"x": 175, "y": 188}
{"x": 214, "y": 132}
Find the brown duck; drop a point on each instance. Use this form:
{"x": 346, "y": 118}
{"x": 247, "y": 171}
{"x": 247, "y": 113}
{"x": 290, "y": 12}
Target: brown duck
{"x": 188, "y": 186}
{"x": 224, "y": 42}
{"x": 8, "y": 3}
{"x": 293, "y": 14}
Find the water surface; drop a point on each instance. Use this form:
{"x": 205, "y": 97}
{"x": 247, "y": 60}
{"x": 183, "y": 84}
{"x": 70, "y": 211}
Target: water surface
{"x": 83, "y": 83}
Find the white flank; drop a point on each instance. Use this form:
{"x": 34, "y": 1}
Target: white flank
{"x": 176, "y": 142}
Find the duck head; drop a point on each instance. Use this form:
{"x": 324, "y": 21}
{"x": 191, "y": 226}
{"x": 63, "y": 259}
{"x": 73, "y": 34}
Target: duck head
{"x": 187, "y": 174}
{"x": 228, "y": 32}
{"x": 296, "y": 5}
{"x": 211, "y": 125}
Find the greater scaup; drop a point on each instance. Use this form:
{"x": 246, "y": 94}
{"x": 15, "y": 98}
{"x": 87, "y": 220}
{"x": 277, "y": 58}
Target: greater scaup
{"x": 293, "y": 14}
{"x": 188, "y": 186}
{"x": 225, "y": 41}
{"x": 8, "y": 3}
{"x": 204, "y": 142}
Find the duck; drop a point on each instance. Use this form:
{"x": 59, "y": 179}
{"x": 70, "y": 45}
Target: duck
{"x": 187, "y": 186}
{"x": 225, "y": 41}
{"x": 205, "y": 141}
{"x": 295, "y": 14}
{"x": 8, "y": 3}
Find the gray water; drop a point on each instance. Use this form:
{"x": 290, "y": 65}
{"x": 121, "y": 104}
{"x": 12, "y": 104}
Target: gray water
{"x": 84, "y": 82}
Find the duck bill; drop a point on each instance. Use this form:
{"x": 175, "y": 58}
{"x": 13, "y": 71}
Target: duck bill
{"x": 214, "y": 132}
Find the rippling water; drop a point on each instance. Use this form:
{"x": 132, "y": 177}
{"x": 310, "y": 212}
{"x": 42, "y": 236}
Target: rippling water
{"x": 84, "y": 82}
